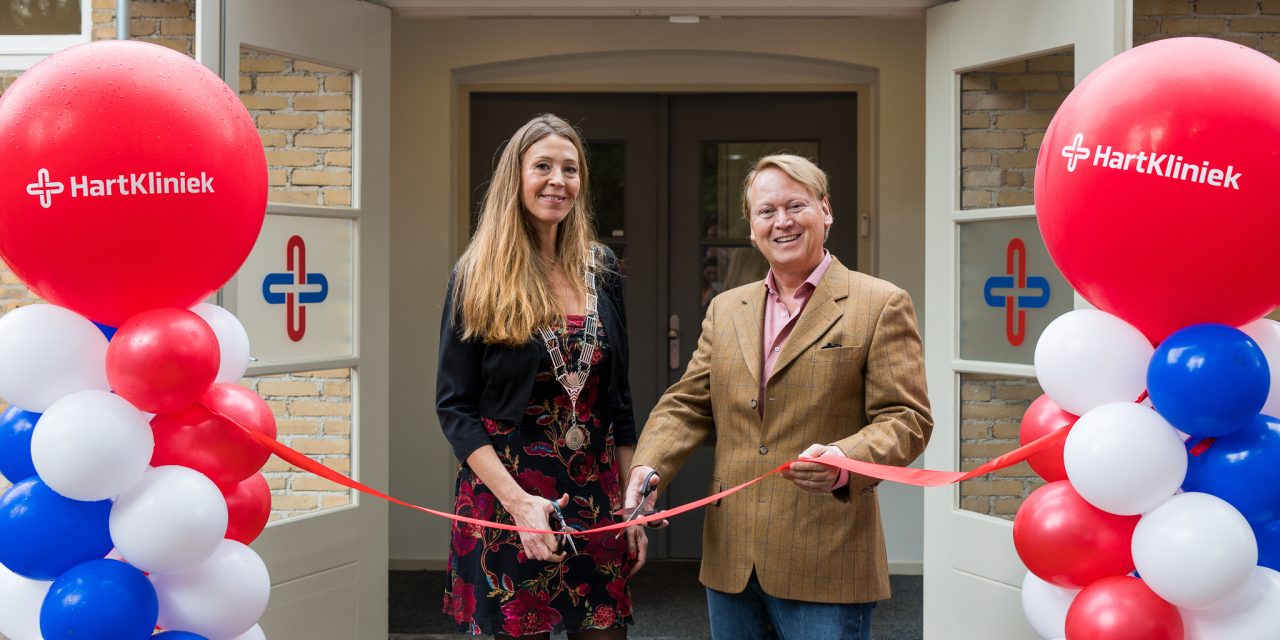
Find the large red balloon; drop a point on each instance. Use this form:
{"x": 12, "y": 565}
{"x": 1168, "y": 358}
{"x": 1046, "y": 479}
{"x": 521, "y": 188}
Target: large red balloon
{"x": 248, "y": 508}
{"x": 1069, "y": 542}
{"x": 163, "y": 360}
{"x": 1122, "y": 608}
{"x": 203, "y": 440}
{"x": 1156, "y": 187}
{"x": 133, "y": 179}
{"x": 1043, "y": 417}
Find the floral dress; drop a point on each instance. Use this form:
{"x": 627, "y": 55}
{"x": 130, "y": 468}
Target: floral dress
{"x": 492, "y": 587}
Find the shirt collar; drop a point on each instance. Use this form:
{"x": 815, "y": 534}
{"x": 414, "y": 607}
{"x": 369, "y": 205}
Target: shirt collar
{"x": 809, "y": 283}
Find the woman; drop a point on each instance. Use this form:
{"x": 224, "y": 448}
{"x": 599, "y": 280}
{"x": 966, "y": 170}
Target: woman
{"x": 532, "y": 394}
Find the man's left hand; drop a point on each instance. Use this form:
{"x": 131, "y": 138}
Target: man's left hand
{"x": 812, "y": 476}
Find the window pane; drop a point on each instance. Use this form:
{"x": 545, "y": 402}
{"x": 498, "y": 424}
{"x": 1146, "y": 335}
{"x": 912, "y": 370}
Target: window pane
{"x": 607, "y": 162}
{"x": 313, "y": 415}
{"x": 724, "y": 165}
{"x": 991, "y": 409}
{"x": 40, "y": 17}
{"x": 1004, "y": 111}
{"x": 303, "y": 112}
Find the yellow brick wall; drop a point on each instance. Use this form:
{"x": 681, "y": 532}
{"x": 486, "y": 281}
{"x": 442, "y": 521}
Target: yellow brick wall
{"x": 1252, "y": 23}
{"x": 303, "y": 112}
{"x": 1004, "y": 113}
{"x": 313, "y": 415}
{"x": 991, "y": 409}
{"x": 313, "y": 409}
{"x": 170, "y": 23}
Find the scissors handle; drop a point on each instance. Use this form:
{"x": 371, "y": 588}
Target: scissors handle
{"x": 564, "y": 526}
{"x": 648, "y": 484}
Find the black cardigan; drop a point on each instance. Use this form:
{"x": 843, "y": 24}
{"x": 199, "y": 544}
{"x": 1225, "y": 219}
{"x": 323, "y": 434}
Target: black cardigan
{"x": 475, "y": 380}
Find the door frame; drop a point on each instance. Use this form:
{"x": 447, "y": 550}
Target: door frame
{"x": 972, "y": 573}
{"x": 329, "y": 565}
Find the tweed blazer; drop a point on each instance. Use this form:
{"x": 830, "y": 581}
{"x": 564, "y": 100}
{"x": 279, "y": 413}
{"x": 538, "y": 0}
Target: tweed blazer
{"x": 850, "y": 374}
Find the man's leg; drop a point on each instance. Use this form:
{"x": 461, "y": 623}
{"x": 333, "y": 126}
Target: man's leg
{"x": 739, "y": 616}
{"x": 799, "y": 620}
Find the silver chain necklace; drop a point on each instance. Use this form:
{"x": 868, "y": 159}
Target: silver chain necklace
{"x": 575, "y": 437}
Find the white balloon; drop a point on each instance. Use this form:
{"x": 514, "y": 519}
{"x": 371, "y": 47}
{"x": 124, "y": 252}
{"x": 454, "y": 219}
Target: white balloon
{"x": 1267, "y": 334}
{"x": 172, "y": 519}
{"x": 47, "y": 352}
{"x": 20, "y": 602}
{"x": 222, "y": 597}
{"x": 1045, "y": 606}
{"x": 253, "y": 634}
{"x": 233, "y": 340}
{"x": 1103, "y": 466}
{"x": 91, "y": 445}
{"x": 1087, "y": 358}
{"x": 1195, "y": 550}
{"x": 1252, "y": 613}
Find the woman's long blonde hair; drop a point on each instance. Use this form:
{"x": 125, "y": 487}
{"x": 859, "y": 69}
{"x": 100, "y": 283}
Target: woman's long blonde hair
{"x": 502, "y": 293}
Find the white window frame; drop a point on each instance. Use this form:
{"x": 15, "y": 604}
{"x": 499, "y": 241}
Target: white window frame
{"x": 19, "y": 53}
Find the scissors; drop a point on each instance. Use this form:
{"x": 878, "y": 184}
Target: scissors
{"x": 639, "y": 510}
{"x": 564, "y": 526}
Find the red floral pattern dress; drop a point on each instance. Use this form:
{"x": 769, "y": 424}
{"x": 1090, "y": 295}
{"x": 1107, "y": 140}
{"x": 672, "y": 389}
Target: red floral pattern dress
{"x": 491, "y": 586}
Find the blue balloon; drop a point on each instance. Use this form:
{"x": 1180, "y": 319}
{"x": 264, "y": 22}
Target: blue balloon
{"x": 16, "y": 426}
{"x": 43, "y": 534}
{"x": 1268, "y": 535}
{"x": 1208, "y": 379}
{"x": 1241, "y": 468}
{"x": 100, "y": 600}
{"x": 109, "y": 332}
{"x": 178, "y": 635}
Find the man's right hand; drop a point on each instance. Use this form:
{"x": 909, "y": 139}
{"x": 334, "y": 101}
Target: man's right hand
{"x": 635, "y": 489}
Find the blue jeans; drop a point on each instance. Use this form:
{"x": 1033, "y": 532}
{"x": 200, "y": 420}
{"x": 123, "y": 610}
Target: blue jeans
{"x": 756, "y": 615}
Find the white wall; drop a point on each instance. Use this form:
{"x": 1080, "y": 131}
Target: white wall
{"x": 434, "y": 63}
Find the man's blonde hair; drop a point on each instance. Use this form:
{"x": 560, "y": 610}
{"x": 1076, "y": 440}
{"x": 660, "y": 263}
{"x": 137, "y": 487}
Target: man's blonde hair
{"x": 799, "y": 168}
{"x": 502, "y": 294}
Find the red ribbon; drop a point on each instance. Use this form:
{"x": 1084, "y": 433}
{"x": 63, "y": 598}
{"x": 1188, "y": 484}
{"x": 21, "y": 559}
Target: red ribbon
{"x": 904, "y": 475}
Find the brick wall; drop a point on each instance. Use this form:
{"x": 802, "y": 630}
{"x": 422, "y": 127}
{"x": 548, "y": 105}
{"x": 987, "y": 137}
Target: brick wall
{"x": 309, "y": 165}
{"x": 991, "y": 409}
{"x": 1252, "y": 23}
{"x": 1004, "y": 113}
{"x": 313, "y": 415}
{"x": 303, "y": 111}
{"x": 170, "y": 23}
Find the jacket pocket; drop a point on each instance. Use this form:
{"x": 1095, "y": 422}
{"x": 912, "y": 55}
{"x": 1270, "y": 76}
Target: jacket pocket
{"x": 837, "y": 354}
{"x": 716, "y": 487}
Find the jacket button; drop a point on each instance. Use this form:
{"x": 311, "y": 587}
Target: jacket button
{"x": 763, "y": 449}
{"x": 753, "y": 403}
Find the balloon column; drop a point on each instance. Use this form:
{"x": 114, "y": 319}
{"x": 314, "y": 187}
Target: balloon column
{"x": 134, "y": 186}
{"x": 1155, "y": 196}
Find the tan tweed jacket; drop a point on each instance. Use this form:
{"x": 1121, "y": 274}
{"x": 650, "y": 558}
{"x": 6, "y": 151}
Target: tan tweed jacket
{"x": 851, "y": 374}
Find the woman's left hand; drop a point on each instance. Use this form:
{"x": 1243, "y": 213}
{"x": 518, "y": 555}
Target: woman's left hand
{"x": 637, "y": 547}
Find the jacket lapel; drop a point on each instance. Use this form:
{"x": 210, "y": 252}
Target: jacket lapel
{"x": 821, "y": 312}
{"x": 747, "y": 324}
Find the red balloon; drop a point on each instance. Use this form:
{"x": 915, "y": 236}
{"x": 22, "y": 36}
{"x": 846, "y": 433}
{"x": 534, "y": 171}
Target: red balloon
{"x": 1069, "y": 542}
{"x": 1043, "y": 417}
{"x": 163, "y": 360}
{"x": 248, "y": 508}
{"x": 203, "y": 440}
{"x": 1122, "y": 608}
{"x": 1155, "y": 189}
{"x": 133, "y": 179}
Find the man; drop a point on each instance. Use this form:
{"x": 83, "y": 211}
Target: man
{"x": 816, "y": 360}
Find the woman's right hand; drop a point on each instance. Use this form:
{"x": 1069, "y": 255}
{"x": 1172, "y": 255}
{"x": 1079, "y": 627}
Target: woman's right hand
{"x": 534, "y": 512}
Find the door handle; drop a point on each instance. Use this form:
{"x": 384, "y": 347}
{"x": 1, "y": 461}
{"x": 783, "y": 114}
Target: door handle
{"x": 673, "y": 342}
